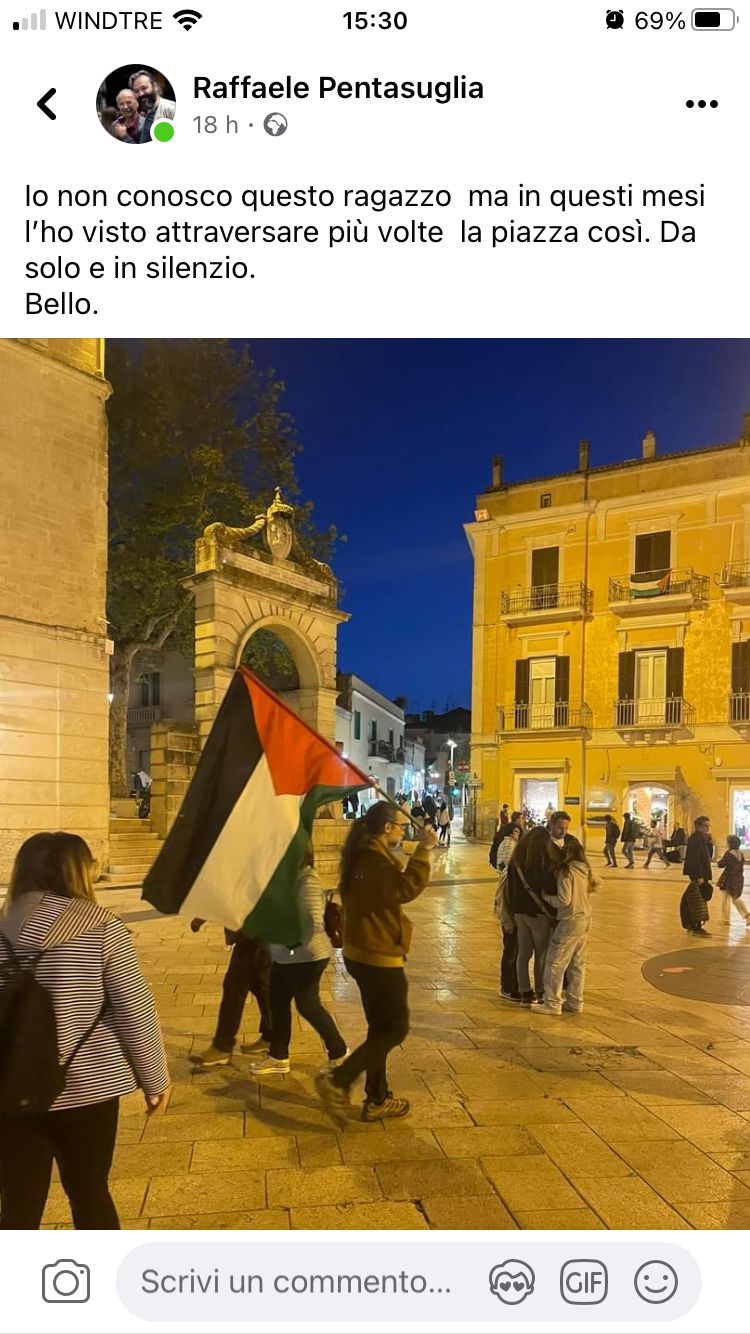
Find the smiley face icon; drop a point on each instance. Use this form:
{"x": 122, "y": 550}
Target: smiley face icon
{"x": 656, "y": 1282}
{"x": 512, "y": 1281}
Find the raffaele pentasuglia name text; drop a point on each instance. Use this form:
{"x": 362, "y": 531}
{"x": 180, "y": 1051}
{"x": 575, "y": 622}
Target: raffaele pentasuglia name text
{"x": 456, "y": 88}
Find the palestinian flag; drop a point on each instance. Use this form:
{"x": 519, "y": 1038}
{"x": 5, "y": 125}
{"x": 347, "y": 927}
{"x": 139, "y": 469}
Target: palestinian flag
{"x": 646, "y": 586}
{"x": 235, "y": 850}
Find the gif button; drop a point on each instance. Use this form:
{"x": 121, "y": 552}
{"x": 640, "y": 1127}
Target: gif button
{"x": 583, "y": 1282}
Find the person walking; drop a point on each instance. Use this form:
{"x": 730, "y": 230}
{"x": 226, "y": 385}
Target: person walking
{"x": 628, "y": 840}
{"x": 373, "y": 886}
{"x": 611, "y": 835}
{"x": 248, "y": 971}
{"x": 108, "y": 1037}
{"x": 444, "y": 824}
{"x": 531, "y": 874}
{"x": 697, "y": 867}
{"x": 566, "y": 953}
{"x": 296, "y": 975}
{"x": 657, "y": 847}
{"x": 732, "y": 882}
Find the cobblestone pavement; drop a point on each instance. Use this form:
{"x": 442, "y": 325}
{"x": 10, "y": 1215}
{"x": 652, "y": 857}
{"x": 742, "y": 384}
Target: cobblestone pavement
{"x": 634, "y": 1114}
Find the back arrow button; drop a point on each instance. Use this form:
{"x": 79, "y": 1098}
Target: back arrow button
{"x": 42, "y": 103}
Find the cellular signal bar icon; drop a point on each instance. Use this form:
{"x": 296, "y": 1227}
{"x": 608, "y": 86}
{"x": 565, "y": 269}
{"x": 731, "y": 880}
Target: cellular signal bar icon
{"x": 35, "y": 22}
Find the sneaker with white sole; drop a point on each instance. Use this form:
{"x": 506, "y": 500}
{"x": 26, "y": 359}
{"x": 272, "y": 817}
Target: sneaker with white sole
{"x": 546, "y": 1009}
{"x": 333, "y": 1061}
{"x": 382, "y": 1111}
{"x": 271, "y": 1065}
{"x": 334, "y": 1099}
{"x": 212, "y": 1058}
{"x": 257, "y": 1048}
{"x": 572, "y": 1009}
{"x": 508, "y": 996}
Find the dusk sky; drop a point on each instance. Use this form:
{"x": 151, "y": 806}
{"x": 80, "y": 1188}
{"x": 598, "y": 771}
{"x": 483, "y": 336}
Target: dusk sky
{"x": 398, "y": 440}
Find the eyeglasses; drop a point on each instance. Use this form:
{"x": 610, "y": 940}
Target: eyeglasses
{"x": 399, "y": 824}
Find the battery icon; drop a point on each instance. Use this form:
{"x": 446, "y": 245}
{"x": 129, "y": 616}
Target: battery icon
{"x": 714, "y": 20}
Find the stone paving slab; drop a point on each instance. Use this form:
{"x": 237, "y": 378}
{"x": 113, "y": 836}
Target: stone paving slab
{"x": 634, "y": 1114}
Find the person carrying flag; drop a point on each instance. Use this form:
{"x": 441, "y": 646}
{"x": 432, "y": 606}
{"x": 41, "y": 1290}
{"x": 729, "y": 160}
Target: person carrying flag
{"x": 373, "y": 886}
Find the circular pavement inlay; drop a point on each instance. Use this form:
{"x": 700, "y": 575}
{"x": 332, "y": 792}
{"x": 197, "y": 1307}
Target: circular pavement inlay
{"x": 717, "y": 973}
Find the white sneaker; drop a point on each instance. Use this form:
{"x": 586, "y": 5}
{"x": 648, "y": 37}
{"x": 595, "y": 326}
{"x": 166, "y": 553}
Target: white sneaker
{"x": 270, "y": 1065}
{"x": 546, "y": 1009}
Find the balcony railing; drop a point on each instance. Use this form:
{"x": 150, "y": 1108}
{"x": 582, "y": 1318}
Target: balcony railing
{"x": 739, "y": 707}
{"x": 380, "y": 750}
{"x": 667, "y": 583}
{"x": 735, "y": 574}
{"x": 650, "y": 713}
{"x": 547, "y": 597}
{"x": 570, "y": 714}
{"x": 141, "y": 717}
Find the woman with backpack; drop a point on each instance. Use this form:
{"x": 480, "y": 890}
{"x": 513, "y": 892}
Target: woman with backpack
{"x": 373, "y": 886}
{"x": 296, "y": 975}
{"x": 78, "y": 1029}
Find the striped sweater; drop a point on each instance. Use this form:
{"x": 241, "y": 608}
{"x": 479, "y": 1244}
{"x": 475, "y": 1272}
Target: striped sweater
{"x": 125, "y": 1050}
{"x": 314, "y": 944}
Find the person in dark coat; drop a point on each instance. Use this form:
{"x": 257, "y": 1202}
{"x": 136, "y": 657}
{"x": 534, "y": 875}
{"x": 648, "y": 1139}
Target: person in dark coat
{"x": 697, "y": 867}
{"x": 628, "y": 840}
{"x": 532, "y": 873}
{"x": 430, "y": 810}
{"x": 611, "y": 835}
{"x": 677, "y": 844}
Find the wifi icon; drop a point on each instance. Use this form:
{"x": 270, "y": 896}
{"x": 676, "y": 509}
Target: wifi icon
{"x": 187, "y": 18}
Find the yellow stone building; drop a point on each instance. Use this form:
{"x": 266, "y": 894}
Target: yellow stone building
{"x": 54, "y": 664}
{"x": 611, "y": 640}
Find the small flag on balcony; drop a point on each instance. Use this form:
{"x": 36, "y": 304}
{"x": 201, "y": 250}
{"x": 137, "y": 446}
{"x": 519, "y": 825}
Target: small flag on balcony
{"x": 235, "y": 850}
{"x": 646, "y": 586}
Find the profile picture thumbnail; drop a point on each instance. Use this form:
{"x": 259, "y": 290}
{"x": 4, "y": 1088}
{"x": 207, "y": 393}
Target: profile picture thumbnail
{"x": 132, "y": 100}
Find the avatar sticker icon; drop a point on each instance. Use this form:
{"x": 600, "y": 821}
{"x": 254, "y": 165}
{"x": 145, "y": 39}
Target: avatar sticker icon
{"x": 512, "y": 1281}
{"x": 656, "y": 1282}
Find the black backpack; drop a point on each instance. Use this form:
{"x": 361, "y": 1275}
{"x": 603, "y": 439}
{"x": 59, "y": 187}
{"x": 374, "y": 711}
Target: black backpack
{"x": 32, "y": 1075}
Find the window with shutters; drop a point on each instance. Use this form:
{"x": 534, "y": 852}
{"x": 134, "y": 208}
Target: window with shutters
{"x": 653, "y": 553}
{"x": 739, "y": 699}
{"x": 650, "y": 686}
{"x": 373, "y": 730}
{"x": 541, "y": 692}
{"x": 545, "y": 574}
{"x": 357, "y": 725}
{"x": 150, "y": 684}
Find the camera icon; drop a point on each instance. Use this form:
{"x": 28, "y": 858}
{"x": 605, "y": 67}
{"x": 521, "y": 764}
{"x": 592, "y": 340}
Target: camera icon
{"x": 66, "y": 1281}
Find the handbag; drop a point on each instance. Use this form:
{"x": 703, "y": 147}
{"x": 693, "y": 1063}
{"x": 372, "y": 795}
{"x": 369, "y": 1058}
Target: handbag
{"x": 548, "y": 912}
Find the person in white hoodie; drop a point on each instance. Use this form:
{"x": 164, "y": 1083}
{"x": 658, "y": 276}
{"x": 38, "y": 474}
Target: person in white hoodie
{"x": 296, "y": 975}
{"x": 566, "y": 953}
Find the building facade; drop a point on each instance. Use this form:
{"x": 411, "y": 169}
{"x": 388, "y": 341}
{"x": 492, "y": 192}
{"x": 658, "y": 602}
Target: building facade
{"x": 54, "y": 659}
{"x": 611, "y": 641}
{"x": 447, "y": 743}
{"x": 370, "y": 732}
{"x": 163, "y": 688}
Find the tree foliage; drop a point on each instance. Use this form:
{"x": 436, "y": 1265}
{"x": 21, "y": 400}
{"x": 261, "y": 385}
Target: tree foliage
{"x": 197, "y": 433}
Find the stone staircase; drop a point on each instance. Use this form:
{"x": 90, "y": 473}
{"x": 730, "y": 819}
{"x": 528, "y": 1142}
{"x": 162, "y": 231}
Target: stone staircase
{"x": 133, "y": 846}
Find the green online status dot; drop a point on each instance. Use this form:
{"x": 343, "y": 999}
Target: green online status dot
{"x": 164, "y": 131}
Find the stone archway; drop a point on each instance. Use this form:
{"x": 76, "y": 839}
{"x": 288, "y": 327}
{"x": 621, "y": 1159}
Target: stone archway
{"x": 241, "y": 587}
